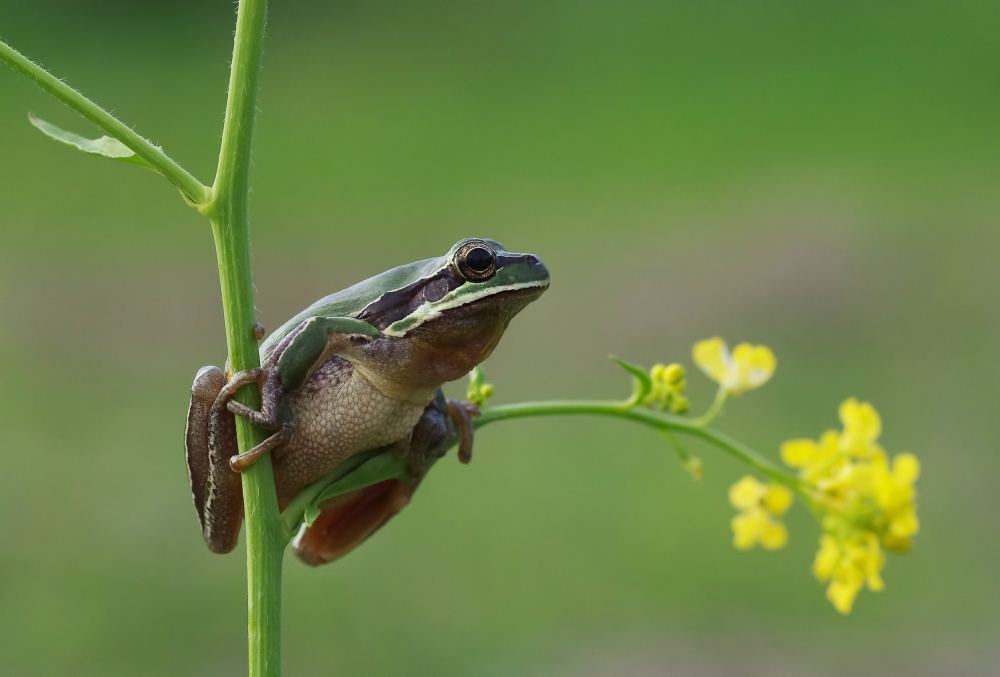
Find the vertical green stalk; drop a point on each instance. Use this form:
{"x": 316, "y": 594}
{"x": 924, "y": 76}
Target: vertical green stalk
{"x": 228, "y": 214}
{"x": 225, "y": 205}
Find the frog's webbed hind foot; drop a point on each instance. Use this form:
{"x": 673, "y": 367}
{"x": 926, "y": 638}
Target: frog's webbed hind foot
{"x": 461, "y": 412}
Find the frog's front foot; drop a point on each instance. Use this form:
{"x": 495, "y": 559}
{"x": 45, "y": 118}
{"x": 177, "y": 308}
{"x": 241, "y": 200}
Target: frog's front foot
{"x": 267, "y": 418}
{"x": 461, "y": 412}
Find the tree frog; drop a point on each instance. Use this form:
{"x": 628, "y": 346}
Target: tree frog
{"x": 357, "y": 370}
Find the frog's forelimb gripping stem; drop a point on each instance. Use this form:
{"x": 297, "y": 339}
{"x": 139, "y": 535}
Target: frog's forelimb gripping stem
{"x": 267, "y": 418}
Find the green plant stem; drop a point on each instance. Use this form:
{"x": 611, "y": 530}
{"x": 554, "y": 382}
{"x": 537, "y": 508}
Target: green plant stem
{"x": 194, "y": 192}
{"x": 228, "y": 213}
{"x": 721, "y": 396}
{"x": 225, "y": 205}
{"x": 667, "y": 424}
{"x": 683, "y": 455}
{"x": 660, "y": 421}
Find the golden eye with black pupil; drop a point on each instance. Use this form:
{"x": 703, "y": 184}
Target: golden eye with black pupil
{"x": 476, "y": 261}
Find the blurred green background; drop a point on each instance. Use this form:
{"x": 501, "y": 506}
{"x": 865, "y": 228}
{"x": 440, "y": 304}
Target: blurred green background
{"x": 820, "y": 177}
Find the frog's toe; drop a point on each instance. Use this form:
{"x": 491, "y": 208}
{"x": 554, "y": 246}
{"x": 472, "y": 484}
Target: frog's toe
{"x": 258, "y": 418}
{"x": 237, "y": 381}
{"x": 241, "y": 462}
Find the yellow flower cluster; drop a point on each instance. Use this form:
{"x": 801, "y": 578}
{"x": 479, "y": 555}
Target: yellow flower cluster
{"x": 868, "y": 503}
{"x": 667, "y": 392}
{"x": 864, "y": 500}
{"x": 761, "y": 507}
{"x": 746, "y": 368}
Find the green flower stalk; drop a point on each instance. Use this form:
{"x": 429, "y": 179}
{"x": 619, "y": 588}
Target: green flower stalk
{"x": 863, "y": 502}
{"x": 225, "y": 205}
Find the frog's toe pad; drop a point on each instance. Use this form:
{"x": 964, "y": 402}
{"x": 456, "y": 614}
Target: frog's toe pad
{"x": 347, "y": 523}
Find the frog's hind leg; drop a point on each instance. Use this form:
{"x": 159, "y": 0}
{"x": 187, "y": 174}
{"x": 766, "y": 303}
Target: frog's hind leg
{"x": 347, "y": 521}
{"x": 210, "y": 440}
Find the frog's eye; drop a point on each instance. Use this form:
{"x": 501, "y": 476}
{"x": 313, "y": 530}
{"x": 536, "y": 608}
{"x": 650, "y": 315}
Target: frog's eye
{"x": 476, "y": 261}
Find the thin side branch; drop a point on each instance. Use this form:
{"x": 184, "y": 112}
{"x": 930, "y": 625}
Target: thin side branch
{"x": 295, "y": 511}
{"x": 194, "y": 192}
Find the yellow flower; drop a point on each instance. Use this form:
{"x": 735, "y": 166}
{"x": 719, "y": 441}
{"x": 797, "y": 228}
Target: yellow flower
{"x": 760, "y": 506}
{"x": 812, "y": 457}
{"x": 868, "y": 503}
{"x": 862, "y": 426}
{"x": 746, "y": 368}
{"x": 846, "y": 486}
{"x": 849, "y": 564}
{"x": 895, "y": 495}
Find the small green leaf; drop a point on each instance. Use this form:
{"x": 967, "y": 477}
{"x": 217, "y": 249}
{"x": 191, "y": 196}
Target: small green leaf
{"x": 642, "y": 385}
{"x": 476, "y": 380}
{"x": 311, "y": 513}
{"x": 107, "y": 146}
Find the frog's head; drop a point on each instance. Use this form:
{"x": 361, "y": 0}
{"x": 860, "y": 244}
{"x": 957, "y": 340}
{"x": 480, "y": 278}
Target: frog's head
{"x": 455, "y": 312}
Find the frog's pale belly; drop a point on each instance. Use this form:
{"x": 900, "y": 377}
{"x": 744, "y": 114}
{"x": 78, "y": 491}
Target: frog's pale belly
{"x": 338, "y": 413}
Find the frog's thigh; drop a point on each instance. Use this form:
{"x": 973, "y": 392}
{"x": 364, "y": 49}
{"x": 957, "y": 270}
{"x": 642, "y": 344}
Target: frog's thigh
{"x": 347, "y": 521}
{"x": 210, "y": 440}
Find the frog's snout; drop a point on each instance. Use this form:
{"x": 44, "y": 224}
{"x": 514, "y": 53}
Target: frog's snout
{"x": 538, "y": 268}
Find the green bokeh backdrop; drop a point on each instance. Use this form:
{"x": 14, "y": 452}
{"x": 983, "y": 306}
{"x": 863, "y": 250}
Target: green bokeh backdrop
{"x": 819, "y": 177}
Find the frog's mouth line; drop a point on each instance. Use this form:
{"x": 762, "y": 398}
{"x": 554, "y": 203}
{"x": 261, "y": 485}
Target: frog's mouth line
{"x": 432, "y": 310}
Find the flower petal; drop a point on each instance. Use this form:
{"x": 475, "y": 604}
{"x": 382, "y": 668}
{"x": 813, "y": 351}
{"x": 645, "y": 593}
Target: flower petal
{"x": 754, "y": 365}
{"x": 777, "y": 500}
{"x": 905, "y": 523}
{"x": 841, "y": 594}
{"x": 896, "y": 544}
{"x": 746, "y": 493}
{"x": 800, "y": 453}
{"x": 905, "y": 468}
{"x": 829, "y": 443}
{"x": 712, "y": 357}
{"x": 827, "y": 558}
{"x": 773, "y": 535}
{"x": 862, "y": 426}
{"x": 746, "y": 529}
{"x": 872, "y": 563}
